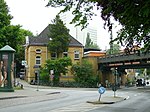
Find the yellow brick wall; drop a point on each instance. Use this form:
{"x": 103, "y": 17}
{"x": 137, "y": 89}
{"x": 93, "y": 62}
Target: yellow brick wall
{"x": 31, "y": 59}
{"x": 93, "y": 61}
{"x": 74, "y": 61}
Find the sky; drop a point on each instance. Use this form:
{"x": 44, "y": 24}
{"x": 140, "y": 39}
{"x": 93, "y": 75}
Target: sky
{"x": 32, "y": 15}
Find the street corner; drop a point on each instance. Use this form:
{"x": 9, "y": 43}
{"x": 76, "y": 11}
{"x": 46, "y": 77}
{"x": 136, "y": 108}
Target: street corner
{"x": 109, "y": 100}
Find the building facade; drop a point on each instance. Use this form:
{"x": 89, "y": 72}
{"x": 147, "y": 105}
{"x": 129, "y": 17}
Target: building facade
{"x": 36, "y": 54}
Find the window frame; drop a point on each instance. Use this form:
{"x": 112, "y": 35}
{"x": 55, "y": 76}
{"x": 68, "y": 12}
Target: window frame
{"x": 38, "y": 59}
{"x": 55, "y": 57}
{"x": 65, "y": 54}
{"x": 38, "y": 51}
{"x": 76, "y": 55}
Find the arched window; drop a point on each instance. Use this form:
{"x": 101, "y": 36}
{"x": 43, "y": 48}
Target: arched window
{"x": 38, "y": 60}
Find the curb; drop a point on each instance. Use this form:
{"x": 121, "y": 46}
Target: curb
{"x": 12, "y": 97}
{"x": 100, "y": 102}
{"x": 108, "y": 102}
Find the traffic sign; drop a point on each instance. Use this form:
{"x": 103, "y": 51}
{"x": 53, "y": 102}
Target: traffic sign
{"x": 24, "y": 63}
{"x": 101, "y": 90}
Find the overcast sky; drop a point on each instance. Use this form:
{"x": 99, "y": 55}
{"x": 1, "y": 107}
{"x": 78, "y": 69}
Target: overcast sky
{"x": 34, "y": 16}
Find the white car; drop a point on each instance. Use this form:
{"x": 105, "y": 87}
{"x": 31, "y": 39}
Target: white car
{"x": 22, "y": 74}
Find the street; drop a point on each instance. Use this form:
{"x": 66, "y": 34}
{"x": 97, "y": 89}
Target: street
{"x": 75, "y": 100}
{"x": 139, "y": 101}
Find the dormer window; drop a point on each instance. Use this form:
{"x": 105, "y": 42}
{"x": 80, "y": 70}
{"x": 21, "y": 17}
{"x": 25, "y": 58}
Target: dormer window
{"x": 38, "y": 51}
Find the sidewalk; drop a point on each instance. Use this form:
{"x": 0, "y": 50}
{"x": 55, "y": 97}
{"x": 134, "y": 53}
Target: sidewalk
{"x": 28, "y": 94}
{"x": 27, "y": 91}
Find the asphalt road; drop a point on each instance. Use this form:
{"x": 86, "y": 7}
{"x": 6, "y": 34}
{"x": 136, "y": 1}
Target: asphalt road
{"x": 76, "y": 101}
{"x": 139, "y": 101}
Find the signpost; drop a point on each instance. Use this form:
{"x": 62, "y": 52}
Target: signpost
{"x": 51, "y": 76}
{"x": 114, "y": 86}
{"x": 101, "y": 91}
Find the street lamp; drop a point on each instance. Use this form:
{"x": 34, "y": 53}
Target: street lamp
{"x": 37, "y": 74}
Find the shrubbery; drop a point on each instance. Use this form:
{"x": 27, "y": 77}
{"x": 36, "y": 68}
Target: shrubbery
{"x": 83, "y": 74}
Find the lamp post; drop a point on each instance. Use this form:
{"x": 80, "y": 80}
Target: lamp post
{"x": 37, "y": 72}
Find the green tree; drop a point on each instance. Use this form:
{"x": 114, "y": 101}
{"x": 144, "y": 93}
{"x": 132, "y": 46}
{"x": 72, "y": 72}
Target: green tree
{"x": 90, "y": 44}
{"x": 59, "y": 37}
{"x": 5, "y": 17}
{"x": 59, "y": 66}
{"x": 83, "y": 73}
{"x": 133, "y": 15}
{"x": 114, "y": 50}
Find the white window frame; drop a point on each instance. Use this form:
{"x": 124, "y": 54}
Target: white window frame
{"x": 65, "y": 53}
{"x": 76, "y": 54}
{"x": 53, "y": 57}
{"x": 38, "y": 51}
{"x": 38, "y": 60}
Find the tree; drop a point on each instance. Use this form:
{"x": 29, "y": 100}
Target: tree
{"x": 59, "y": 36}
{"x": 115, "y": 49}
{"x": 59, "y": 66}
{"x": 5, "y": 17}
{"x": 133, "y": 15}
{"x": 90, "y": 44}
{"x": 83, "y": 73}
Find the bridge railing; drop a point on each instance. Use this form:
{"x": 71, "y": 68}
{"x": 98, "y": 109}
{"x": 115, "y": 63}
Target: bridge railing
{"x": 123, "y": 57}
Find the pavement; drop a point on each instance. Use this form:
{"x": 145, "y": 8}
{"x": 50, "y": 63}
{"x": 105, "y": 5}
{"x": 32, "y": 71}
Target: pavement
{"x": 32, "y": 93}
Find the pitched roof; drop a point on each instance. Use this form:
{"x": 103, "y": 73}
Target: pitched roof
{"x": 42, "y": 39}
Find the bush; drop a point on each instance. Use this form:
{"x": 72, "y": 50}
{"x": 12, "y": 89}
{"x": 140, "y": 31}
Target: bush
{"x": 84, "y": 75}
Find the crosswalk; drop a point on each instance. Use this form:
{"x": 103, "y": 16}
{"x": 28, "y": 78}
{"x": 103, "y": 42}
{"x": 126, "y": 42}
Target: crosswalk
{"x": 81, "y": 107}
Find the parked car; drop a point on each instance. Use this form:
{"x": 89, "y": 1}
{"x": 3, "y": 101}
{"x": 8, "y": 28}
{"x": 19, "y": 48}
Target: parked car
{"x": 22, "y": 74}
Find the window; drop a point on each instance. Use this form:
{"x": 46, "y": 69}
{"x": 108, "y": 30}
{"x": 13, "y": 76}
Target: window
{"x": 65, "y": 54}
{"x": 38, "y": 51}
{"x": 53, "y": 56}
{"x": 38, "y": 60}
{"x": 76, "y": 54}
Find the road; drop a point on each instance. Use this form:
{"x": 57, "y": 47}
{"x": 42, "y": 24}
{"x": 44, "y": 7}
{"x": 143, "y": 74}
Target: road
{"x": 75, "y": 100}
{"x": 139, "y": 101}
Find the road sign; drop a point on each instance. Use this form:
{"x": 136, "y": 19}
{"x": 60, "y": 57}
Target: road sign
{"x": 24, "y": 63}
{"x": 101, "y": 90}
{"x": 51, "y": 72}
{"x": 114, "y": 87}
